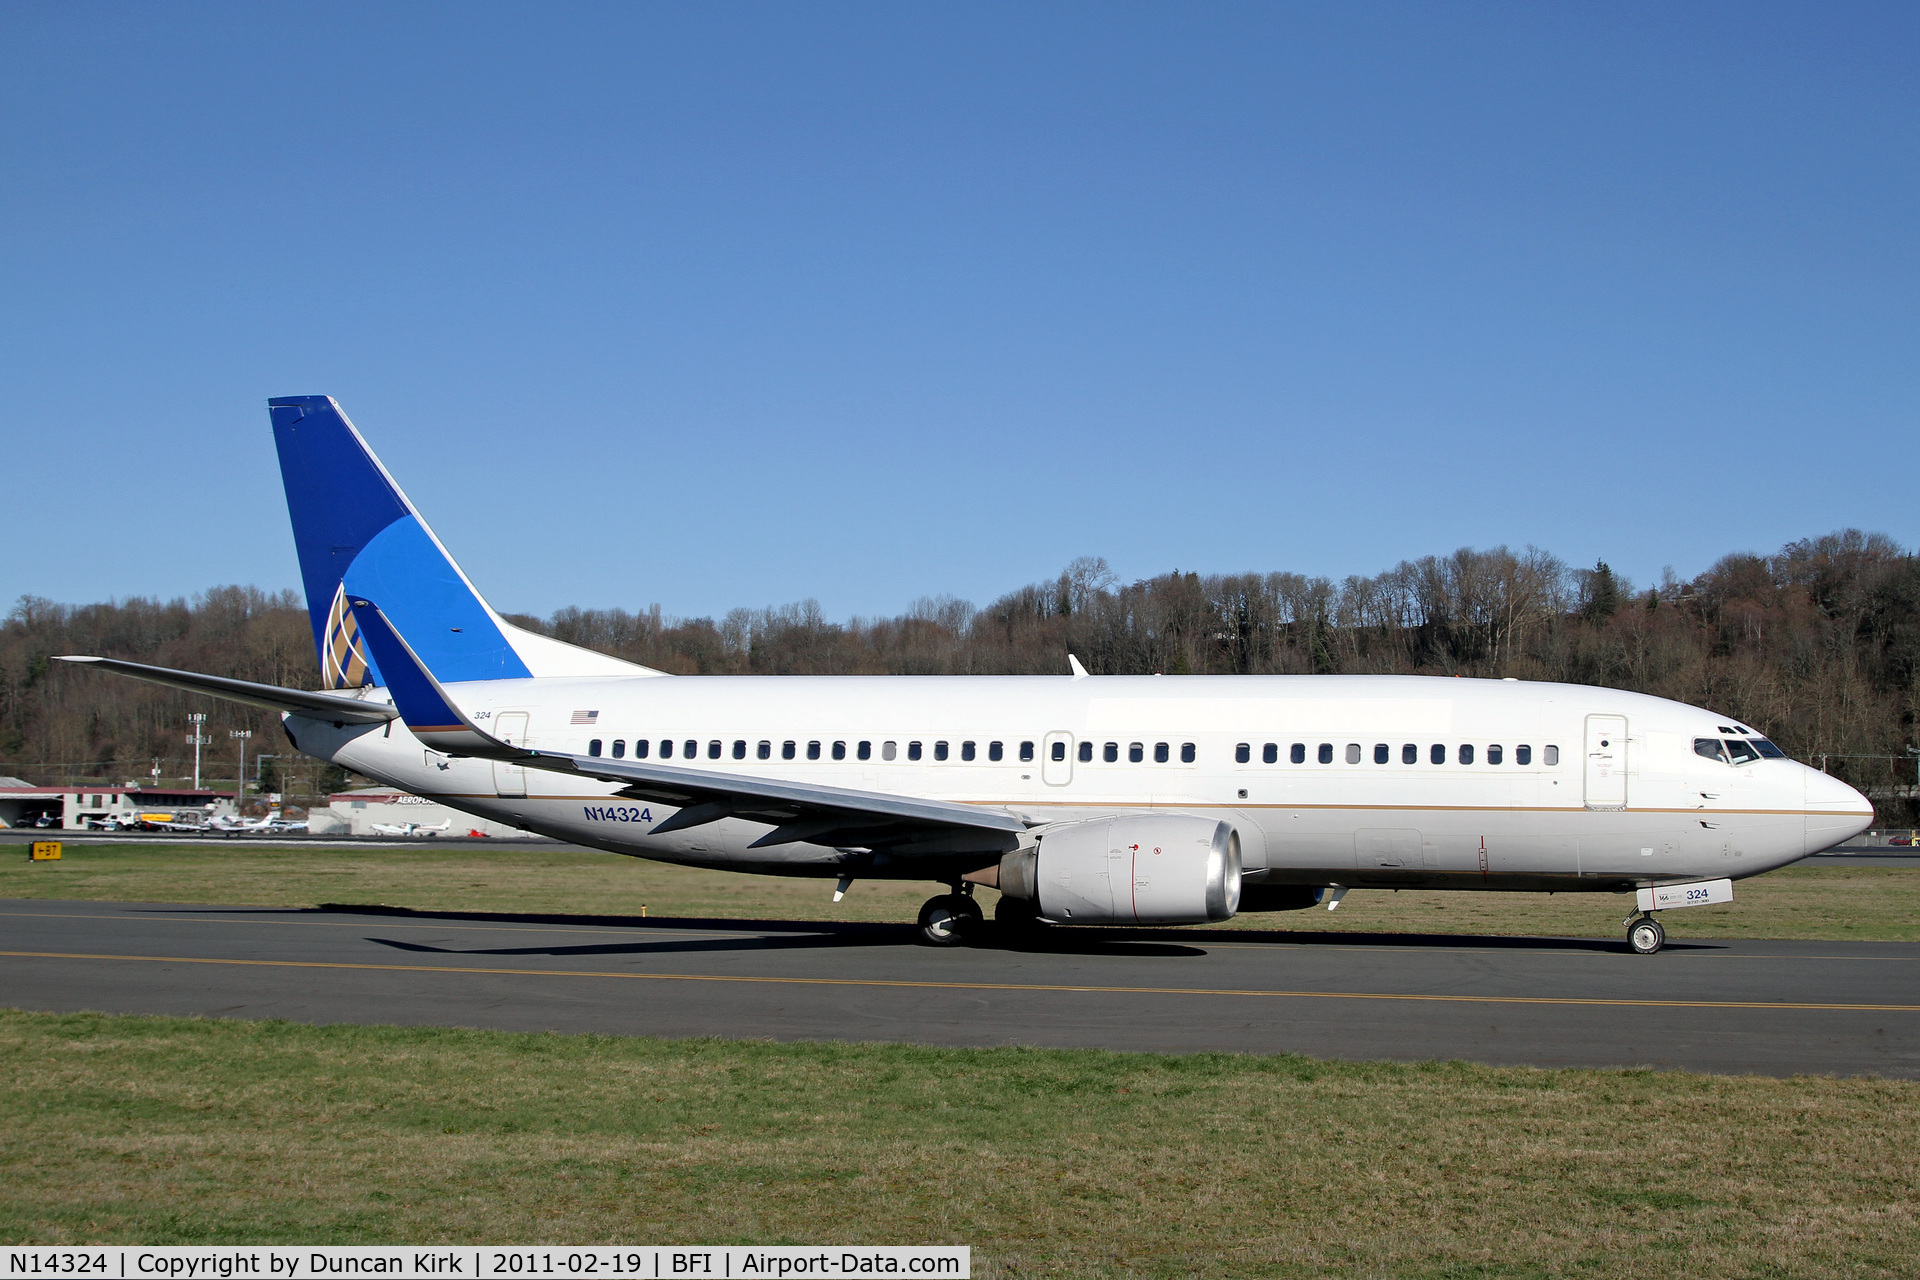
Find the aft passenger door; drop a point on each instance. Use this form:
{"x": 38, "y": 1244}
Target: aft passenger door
{"x": 510, "y": 780}
{"x": 1606, "y": 762}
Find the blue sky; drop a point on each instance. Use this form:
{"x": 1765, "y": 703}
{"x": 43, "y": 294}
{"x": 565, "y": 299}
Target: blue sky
{"x": 718, "y": 306}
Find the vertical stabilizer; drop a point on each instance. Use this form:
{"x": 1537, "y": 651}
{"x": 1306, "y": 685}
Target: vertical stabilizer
{"x": 357, "y": 534}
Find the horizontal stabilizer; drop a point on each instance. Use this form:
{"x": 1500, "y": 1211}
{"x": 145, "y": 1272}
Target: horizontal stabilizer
{"x": 321, "y": 706}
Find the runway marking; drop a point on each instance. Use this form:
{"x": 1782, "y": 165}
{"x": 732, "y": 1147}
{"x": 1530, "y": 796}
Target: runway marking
{"x": 1075, "y": 988}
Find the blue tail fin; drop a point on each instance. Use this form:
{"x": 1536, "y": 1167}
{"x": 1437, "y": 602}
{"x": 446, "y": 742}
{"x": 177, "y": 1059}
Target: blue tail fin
{"x": 357, "y": 534}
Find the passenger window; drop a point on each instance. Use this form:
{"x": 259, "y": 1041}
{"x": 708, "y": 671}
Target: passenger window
{"x": 1135, "y": 753}
{"x": 813, "y": 750}
{"x": 713, "y": 749}
{"x": 864, "y": 751}
{"x": 1059, "y": 752}
{"x": 1298, "y": 753}
{"x": 764, "y": 751}
{"x": 1711, "y": 749}
{"x": 1353, "y": 753}
{"x": 1381, "y": 753}
{"x": 1437, "y": 753}
{"x": 1523, "y": 754}
{"x": 1086, "y": 753}
{"x": 966, "y": 751}
{"x": 994, "y": 752}
{"x": 1186, "y": 753}
{"x": 939, "y": 751}
{"x": 1110, "y": 753}
{"x": 1242, "y": 752}
{"x": 889, "y": 750}
{"x": 839, "y": 751}
{"x": 787, "y": 750}
{"x": 1409, "y": 754}
{"x": 1026, "y": 753}
{"x": 1159, "y": 753}
{"x": 1550, "y": 756}
{"x": 619, "y": 748}
{"x": 593, "y": 747}
{"x": 739, "y": 748}
{"x": 666, "y": 748}
{"x": 1465, "y": 754}
{"x": 1742, "y": 753}
{"x": 1270, "y": 753}
{"x": 640, "y": 748}
{"x": 1494, "y": 754}
{"x": 1326, "y": 753}
{"x": 913, "y": 751}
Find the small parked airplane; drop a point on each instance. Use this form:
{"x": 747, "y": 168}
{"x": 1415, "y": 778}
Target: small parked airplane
{"x": 410, "y": 828}
{"x": 1083, "y": 799}
{"x": 272, "y": 824}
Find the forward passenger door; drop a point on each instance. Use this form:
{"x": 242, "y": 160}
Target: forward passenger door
{"x": 1606, "y": 762}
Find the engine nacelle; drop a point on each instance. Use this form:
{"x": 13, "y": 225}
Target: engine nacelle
{"x": 1148, "y": 869}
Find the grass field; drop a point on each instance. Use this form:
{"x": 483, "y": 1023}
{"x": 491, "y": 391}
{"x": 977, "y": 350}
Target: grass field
{"x": 1819, "y": 902}
{"x": 1057, "y": 1163}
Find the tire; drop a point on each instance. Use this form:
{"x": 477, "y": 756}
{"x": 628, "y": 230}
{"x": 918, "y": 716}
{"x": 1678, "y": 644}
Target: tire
{"x": 950, "y": 920}
{"x": 1646, "y": 936}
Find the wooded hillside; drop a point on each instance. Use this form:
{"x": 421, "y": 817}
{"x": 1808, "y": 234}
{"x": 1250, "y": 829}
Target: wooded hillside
{"x": 1817, "y": 644}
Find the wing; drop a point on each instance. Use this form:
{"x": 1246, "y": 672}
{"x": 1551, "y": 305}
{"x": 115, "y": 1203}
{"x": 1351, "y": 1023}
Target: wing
{"x": 799, "y": 811}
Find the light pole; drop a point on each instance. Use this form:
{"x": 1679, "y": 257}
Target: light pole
{"x": 240, "y": 778}
{"x": 198, "y": 739}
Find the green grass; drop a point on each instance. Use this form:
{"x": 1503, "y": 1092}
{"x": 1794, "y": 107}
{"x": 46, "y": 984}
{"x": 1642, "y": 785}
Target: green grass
{"x": 1048, "y": 1162}
{"x": 1876, "y": 903}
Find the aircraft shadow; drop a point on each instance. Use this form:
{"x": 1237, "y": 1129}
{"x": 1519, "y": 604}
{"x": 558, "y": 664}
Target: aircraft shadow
{"x": 776, "y": 935}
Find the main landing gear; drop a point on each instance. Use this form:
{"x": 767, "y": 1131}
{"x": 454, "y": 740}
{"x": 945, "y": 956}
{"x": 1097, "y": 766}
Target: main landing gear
{"x": 951, "y": 919}
{"x": 1645, "y": 935}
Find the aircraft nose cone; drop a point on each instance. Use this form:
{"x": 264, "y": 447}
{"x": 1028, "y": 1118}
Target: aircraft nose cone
{"x": 1835, "y": 811}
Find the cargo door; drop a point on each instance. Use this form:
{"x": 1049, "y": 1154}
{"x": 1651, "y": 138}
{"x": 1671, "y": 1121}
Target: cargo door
{"x": 1606, "y": 762}
{"x": 1056, "y": 758}
{"x": 510, "y": 780}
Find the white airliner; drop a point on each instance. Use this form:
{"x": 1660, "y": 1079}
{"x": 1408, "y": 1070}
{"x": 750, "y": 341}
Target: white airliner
{"x": 1083, "y": 799}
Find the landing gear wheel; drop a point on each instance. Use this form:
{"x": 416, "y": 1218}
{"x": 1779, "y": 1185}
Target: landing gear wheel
{"x": 1017, "y": 920}
{"x": 950, "y": 920}
{"x": 1646, "y": 936}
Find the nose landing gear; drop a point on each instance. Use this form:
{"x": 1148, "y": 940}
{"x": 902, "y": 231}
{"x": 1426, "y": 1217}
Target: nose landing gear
{"x": 951, "y": 919}
{"x": 1645, "y": 934}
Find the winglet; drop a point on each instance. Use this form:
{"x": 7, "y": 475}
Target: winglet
{"x": 423, "y": 704}
{"x": 1079, "y": 672}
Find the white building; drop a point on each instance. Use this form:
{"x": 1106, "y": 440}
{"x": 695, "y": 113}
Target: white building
{"x": 365, "y": 812}
{"x": 106, "y": 808}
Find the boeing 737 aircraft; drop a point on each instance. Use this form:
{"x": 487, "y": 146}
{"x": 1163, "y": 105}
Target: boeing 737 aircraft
{"x": 1083, "y": 799}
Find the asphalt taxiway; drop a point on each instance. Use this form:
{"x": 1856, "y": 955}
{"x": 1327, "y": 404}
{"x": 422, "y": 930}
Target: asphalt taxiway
{"x": 1775, "y": 1008}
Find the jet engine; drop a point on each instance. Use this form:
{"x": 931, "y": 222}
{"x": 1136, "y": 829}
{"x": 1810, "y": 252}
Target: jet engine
{"x": 1149, "y": 869}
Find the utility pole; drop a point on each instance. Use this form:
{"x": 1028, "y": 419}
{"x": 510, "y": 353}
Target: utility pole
{"x": 240, "y": 778}
{"x": 198, "y": 740}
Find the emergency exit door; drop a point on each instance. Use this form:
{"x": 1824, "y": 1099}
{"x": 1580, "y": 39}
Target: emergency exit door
{"x": 1606, "y": 762}
{"x": 510, "y": 779}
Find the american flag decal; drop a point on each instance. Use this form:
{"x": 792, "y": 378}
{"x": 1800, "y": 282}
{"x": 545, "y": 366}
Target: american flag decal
{"x": 585, "y": 717}
{"x": 343, "y": 658}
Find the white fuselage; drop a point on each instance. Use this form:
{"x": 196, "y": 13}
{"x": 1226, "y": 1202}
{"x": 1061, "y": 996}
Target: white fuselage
{"x": 1593, "y": 788}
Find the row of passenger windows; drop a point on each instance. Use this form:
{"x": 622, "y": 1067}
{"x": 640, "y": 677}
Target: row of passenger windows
{"x": 1383, "y": 753}
{"x": 790, "y": 750}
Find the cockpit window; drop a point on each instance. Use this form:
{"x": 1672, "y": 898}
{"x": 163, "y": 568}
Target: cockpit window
{"x": 1742, "y": 751}
{"x": 1710, "y": 748}
{"x": 1768, "y": 750}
